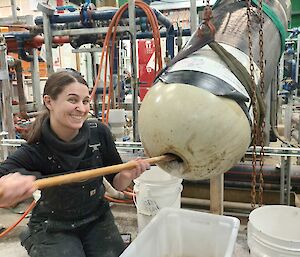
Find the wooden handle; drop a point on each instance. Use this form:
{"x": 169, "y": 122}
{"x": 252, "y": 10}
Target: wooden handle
{"x": 88, "y": 174}
{"x": 93, "y": 173}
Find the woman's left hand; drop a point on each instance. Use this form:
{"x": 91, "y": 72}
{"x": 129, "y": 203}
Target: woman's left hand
{"x": 125, "y": 177}
{"x": 141, "y": 166}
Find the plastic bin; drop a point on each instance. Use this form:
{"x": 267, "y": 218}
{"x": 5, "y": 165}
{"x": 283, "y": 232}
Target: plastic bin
{"x": 185, "y": 233}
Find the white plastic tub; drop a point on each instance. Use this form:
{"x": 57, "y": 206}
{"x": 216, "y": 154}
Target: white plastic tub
{"x": 184, "y": 233}
{"x": 274, "y": 231}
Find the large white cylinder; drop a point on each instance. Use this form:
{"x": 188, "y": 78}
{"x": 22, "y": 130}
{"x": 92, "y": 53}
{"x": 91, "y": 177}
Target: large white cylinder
{"x": 198, "y": 109}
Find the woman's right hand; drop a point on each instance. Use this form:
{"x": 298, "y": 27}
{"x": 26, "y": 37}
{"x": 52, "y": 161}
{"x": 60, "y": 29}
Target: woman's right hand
{"x": 15, "y": 188}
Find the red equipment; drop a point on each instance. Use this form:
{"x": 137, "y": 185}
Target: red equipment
{"x": 146, "y": 60}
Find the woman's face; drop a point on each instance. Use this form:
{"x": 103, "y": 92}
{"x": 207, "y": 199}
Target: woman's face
{"x": 69, "y": 110}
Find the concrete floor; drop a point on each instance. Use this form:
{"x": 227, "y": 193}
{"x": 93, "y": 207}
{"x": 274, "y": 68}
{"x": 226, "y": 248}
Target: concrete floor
{"x": 126, "y": 219}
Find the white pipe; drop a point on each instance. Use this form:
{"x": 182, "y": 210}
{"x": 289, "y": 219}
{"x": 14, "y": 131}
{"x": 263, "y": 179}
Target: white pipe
{"x": 193, "y": 15}
{"x": 14, "y": 10}
{"x": 205, "y": 202}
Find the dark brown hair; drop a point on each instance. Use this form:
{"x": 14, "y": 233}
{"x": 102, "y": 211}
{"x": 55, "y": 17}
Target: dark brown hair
{"x": 55, "y": 84}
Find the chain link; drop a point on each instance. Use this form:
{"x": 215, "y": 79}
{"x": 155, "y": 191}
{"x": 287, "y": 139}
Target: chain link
{"x": 254, "y": 106}
{"x": 257, "y": 129}
{"x": 262, "y": 90}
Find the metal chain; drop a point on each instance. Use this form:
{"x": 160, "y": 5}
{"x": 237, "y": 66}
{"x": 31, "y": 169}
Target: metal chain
{"x": 257, "y": 131}
{"x": 262, "y": 90}
{"x": 254, "y": 106}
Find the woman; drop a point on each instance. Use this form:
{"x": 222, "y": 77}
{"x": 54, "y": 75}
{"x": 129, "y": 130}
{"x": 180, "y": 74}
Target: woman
{"x": 70, "y": 220}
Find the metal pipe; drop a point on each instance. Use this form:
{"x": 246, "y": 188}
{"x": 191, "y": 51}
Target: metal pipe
{"x": 21, "y": 95}
{"x": 285, "y": 180}
{"x": 102, "y": 15}
{"x": 48, "y": 43}
{"x": 193, "y": 15}
{"x": 36, "y": 80}
{"x": 134, "y": 84}
{"x": 6, "y": 89}
{"x": 14, "y": 40}
{"x": 205, "y": 202}
{"x": 14, "y": 10}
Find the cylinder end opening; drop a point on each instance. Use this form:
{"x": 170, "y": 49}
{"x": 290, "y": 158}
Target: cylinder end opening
{"x": 175, "y": 167}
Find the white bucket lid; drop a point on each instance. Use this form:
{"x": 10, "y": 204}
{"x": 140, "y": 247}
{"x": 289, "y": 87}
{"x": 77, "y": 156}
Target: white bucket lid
{"x": 156, "y": 175}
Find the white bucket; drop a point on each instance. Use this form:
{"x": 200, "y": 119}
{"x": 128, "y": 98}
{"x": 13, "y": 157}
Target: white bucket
{"x": 274, "y": 231}
{"x": 154, "y": 190}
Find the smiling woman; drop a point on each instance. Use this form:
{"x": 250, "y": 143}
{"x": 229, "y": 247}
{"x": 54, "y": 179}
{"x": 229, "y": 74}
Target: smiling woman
{"x": 68, "y": 111}
{"x": 75, "y": 219}
{"x": 65, "y": 95}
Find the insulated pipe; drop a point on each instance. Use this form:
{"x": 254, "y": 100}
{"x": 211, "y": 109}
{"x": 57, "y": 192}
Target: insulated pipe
{"x": 101, "y": 15}
{"x": 198, "y": 109}
{"x": 30, "y": 42}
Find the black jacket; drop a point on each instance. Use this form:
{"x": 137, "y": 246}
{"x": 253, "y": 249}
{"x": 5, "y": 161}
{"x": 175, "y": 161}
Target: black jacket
{"x": 51, "y": 156}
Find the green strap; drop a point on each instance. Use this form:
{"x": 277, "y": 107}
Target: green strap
{"x": 277, "y": 22}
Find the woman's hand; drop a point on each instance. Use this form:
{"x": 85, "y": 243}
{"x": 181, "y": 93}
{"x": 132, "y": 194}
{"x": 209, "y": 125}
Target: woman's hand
{"x": 125, "y": 177}
{"x": 141, "y": 166}
{"x": 15, "y": 188}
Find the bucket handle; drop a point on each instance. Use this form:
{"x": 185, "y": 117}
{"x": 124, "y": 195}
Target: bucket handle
{"x": 156, "y": 206}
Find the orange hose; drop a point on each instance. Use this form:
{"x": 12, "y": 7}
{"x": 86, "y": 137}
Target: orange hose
{"x": 128, "y": 189}
{"x": 109, "y": 51}
{"x": 105, "y": 47}
{"x": 130, "y": 194}
{"x": 154, "y": 24}
{"x": 118, "y": 200}
{"x": 31, "y": 206}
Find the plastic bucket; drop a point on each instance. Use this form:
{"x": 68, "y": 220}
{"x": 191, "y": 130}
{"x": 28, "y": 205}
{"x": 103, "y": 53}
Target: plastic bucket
{"x": 154, "y": 190}
{"x": 273, "y": 231}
